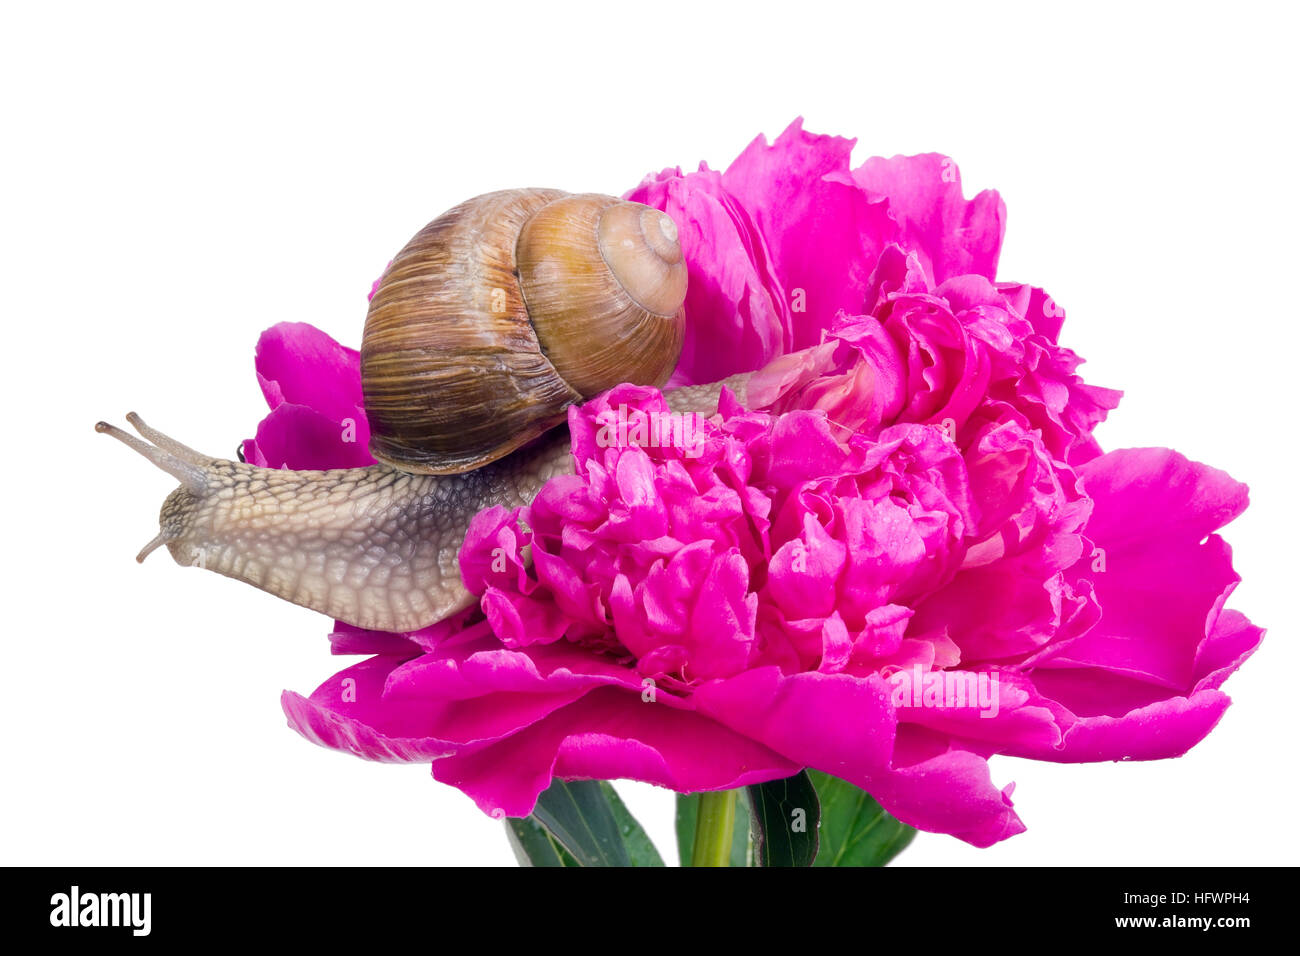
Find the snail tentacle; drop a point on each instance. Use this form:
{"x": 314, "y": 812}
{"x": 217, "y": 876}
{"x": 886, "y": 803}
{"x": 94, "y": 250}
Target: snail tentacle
{"x": 167, "y": 444}
{"x": 188, "y": 471}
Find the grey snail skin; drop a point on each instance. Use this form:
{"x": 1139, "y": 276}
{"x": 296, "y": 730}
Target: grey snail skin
{"x": 488, "y": 324}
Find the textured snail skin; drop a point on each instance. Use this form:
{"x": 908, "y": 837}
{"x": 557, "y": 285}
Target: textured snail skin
{"x": 374, "y": 547}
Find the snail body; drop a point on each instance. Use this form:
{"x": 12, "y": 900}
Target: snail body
{"x": 492, "y": 320}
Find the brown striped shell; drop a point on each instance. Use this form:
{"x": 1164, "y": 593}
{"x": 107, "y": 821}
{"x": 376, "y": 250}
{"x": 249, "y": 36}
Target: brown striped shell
{"x": 507, "y": 309}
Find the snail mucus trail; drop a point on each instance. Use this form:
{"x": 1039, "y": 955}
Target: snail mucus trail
{"x": 488, "y": 324}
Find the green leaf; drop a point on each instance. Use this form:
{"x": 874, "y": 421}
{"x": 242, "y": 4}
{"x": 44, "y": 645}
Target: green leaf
{"x": 577, "y": 814}
{"x": 784, "y": 820}
{"x": 855, "y": 830}
{"x": 533, "y": 845}
{"x": 688, "y": 807}
{"x": 640, "y": 850}
{"x": 581, "y": 823}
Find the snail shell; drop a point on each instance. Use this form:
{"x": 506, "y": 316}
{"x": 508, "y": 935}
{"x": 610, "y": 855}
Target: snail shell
{"x": 507, "y": 309}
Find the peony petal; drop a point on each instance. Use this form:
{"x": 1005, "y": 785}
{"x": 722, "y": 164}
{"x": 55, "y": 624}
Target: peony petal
{"x": 1144, "y": 493}
{"x": 824, "y": 232}
{"x": 349, "y": 713}
{"x": 605, "y": 735}
{"x": 951, "y": 235}
{"x": 938, "y": 786}
{"x": 1152, "y": 508}
{"x": 995, "y": 707}
{"x": 461, "y": 697}
{"x": 298, "y": 437}
{"x": 1232, "y": 640}
{"x": 948, "y": 791}
{"x": 803, "y": 573}
{"x": 1165, "y": 728}
{"x": 299, "y": 363}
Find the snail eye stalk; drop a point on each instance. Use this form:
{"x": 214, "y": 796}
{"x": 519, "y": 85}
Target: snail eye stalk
{"x": 180, "y": 461}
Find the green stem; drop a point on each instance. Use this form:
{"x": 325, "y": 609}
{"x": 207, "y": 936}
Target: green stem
{"x": 713, "y": 828}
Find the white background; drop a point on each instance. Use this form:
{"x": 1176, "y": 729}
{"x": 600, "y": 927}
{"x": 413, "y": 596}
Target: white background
{"x": 174, "y": 181}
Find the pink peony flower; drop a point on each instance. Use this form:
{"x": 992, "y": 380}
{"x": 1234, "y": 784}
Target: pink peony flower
{"x": 912, "y": 505}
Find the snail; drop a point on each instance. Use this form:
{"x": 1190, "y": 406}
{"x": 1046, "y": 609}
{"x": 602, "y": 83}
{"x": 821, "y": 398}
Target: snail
{"x": 484, "y": 329}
